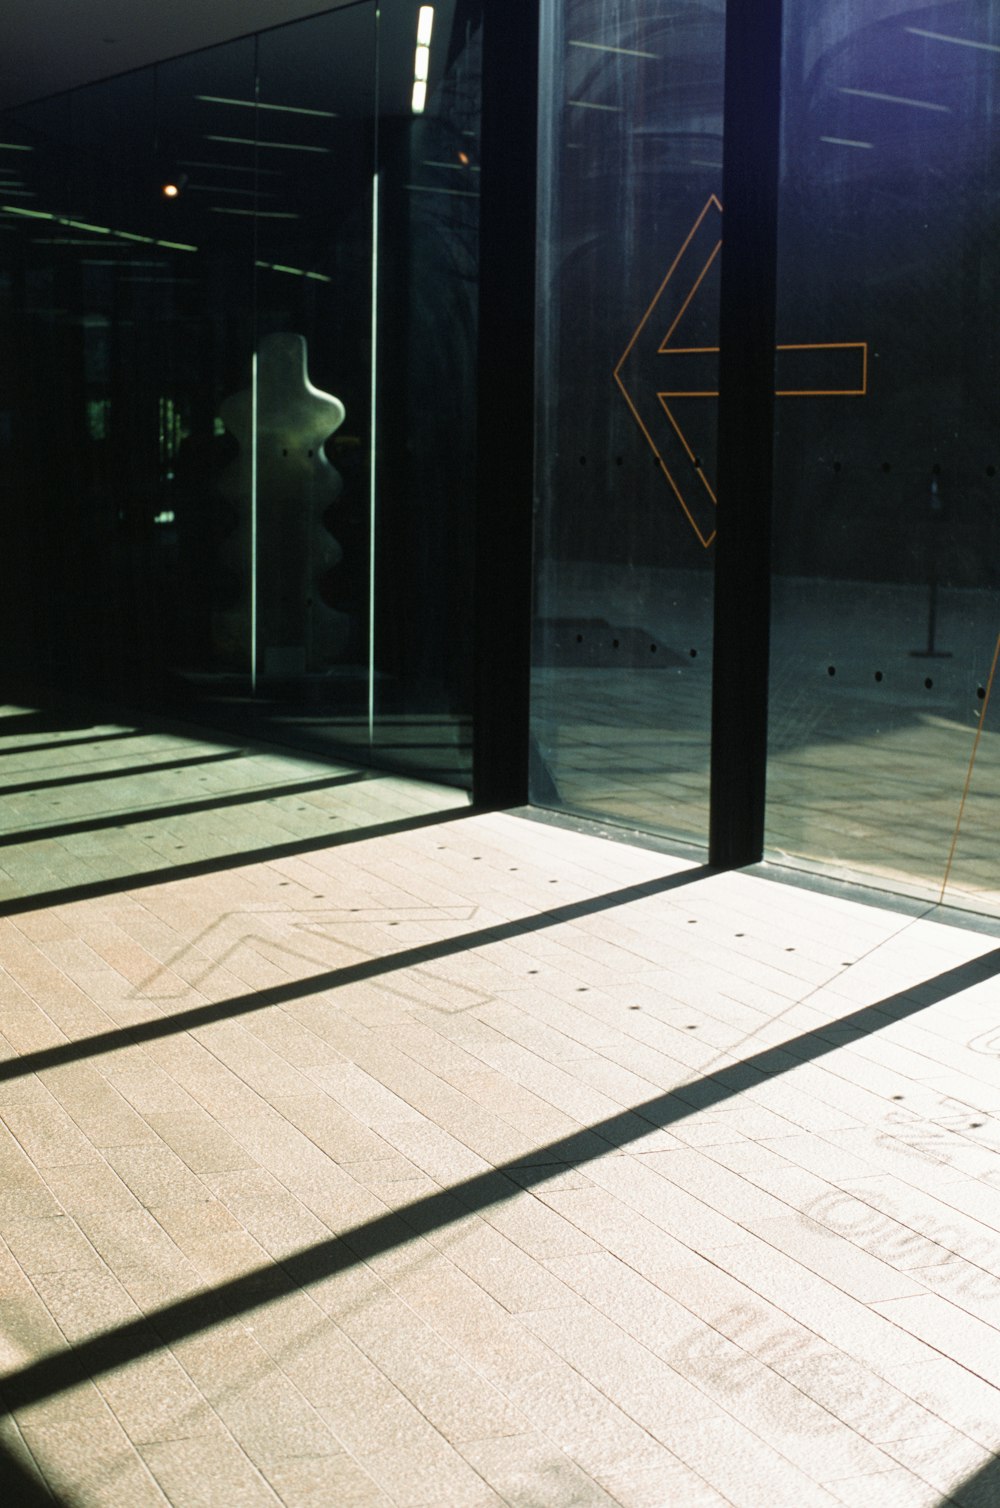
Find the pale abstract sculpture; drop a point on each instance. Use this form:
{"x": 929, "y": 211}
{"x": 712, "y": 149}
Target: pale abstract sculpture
{"x": 295, "y": 485}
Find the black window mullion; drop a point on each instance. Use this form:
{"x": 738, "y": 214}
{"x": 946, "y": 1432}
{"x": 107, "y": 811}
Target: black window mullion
{"x": 750, "y": 166}
{"x": 505, "y": 436}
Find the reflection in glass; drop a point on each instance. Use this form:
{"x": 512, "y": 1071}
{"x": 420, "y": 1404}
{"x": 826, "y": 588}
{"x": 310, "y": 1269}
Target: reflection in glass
{"x": 427, "y": 355}
{"x": 887, "y": 529}
{"x": 629, "y": 232}
{"x": 282, "y": 485}
{"x": 188, "y": 266}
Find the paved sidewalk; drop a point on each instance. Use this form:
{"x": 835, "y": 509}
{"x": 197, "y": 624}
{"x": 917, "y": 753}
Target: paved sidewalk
{"x": 452, "y": 1161}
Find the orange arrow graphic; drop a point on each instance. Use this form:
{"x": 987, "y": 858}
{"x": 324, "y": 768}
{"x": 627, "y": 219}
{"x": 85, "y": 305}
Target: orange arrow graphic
{"x": 802, "y": 370}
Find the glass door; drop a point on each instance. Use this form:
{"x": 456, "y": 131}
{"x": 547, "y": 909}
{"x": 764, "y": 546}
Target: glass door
{"x": 629, "y": 237}
{"x": 884, "y": 742}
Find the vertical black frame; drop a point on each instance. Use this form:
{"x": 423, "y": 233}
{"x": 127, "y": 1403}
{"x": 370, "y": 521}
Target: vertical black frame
{"x": 750, "y": 172}
{"x": 751, "y": 160}
{"x": 506, "y": 404}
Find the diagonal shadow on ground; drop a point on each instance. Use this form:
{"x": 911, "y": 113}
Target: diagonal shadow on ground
{"x": 36, "y": 720}
{"x": 196, "y": 868}
{"x": 174, "y": 1322}
{"x": 182, "y": 809}
{"x": 19, "y": 1488}
{"x": 981, "y": 1490}
{"x": 332, "y": 979}
{"x": 64, "y": 743}
{"x": 119, "y": 773}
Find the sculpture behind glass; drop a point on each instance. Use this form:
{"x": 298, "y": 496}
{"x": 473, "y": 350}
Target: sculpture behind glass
{"x": 283, "y": 458}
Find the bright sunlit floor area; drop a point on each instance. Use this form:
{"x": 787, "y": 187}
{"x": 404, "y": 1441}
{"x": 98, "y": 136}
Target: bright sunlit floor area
{"x": 358, "y": 1151}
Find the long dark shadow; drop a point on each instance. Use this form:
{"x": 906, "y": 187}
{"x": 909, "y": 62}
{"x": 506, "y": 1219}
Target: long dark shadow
{"x": 18, "y": 1489}
{"x": 119, "y": 773}
{"x": 33, "y": 720}
{"x": 332, "y": 979}
{"x": 433, "y": 1212}
{"x": 182, "y": 809}
{"x": 68, "y": 743}
{"x": 980, "y": 1490}
{"x": 195, "y": 868}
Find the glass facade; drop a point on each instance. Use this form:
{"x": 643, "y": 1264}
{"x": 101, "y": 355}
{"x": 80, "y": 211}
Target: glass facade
{"x": 237, "y": 448}
{"x": 887, "y": 499}
{"x": 629, "y": 234}
{"x": 238, "y": 294}
{"x": 883, "y": 760}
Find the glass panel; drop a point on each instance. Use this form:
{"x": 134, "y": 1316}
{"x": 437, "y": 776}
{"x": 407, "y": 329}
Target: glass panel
{"x": 629, "y": 233}
{"x": 140, "y": 321}
{"x": 886, "y": 537}
{"x": 42, "y": 422}
{"x": 309, "y": 521}
{"x": 427, "y": 355}
{"x": 187, "y": 429}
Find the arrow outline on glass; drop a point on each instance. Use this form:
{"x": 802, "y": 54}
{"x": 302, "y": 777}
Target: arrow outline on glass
{"x": 665, "y": 349}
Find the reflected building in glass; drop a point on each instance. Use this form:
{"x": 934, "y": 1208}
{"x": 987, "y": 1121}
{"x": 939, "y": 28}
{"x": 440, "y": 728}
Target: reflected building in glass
{"x": 243, "y": 423}
{"x": 194, "y": 255}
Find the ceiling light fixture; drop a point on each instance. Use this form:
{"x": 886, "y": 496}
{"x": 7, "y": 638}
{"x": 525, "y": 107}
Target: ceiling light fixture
{"x": 227, "y": 188}
{"x": 250, "y": 141}
{"x": 256, "y": 214}
{"x": 253, "y": 104}
{"x": 895, "y": 99}
{"x": 628, "y": 52}
{"x": 299, "y": 272}
{"x": 940, "y": 36}
{"x": 97, "y": 230}
{"x": 422, "y": 59}
{"x": 229, "y": 167}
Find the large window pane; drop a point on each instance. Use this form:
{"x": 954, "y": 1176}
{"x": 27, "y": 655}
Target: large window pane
{"x": 144, "y": 321}
{"x": 236, "y": 433}
{"x": 427, "y": 351}
{"x": 314, "y": 150}
{"x": 629, "y": 233}
{"x": 887, "y": 536}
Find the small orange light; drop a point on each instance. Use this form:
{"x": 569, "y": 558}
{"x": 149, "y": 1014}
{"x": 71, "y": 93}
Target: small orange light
{"x": 463, "y": 158}
{"x": 170, "y": 191}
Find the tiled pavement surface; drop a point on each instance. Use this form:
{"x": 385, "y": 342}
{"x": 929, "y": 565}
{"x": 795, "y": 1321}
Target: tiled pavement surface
{"x": 475, "y": 1162}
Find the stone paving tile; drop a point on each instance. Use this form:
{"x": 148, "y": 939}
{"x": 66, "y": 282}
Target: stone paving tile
{"x": 530, "y": 1468}
{"x": 153, "y": 1399}
{"x": 17, "y": 1452}
{"x": 745, "y": 1469}
{"x": 94, "y": 1462}
{"x": 319, "y": 1481}
{"x": 781, "y": 1295}
{"x": 429, "y": 1473}
{"x": 92, "y": 1189}
{"x": 201, "y": 1473}
{"x": 971, "y": 1341}
{"x": 197, "y": 1138}
{"x": 896, "y": 1488}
